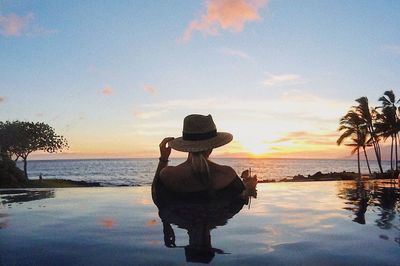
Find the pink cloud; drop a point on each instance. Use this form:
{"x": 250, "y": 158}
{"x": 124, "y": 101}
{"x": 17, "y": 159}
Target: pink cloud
{"x": 2, "y": 99}
{"x": 226, "y": 15}
{"x": 150, "y": 89}
{"x": 107, "y": 91}
{"x": 14, "y": 25}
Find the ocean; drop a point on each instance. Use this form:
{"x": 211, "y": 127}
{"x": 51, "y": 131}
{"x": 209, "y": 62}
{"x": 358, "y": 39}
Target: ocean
{"x": 140, "y": 172}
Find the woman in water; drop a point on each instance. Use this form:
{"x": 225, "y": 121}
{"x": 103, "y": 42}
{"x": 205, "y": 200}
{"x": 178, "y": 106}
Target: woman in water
{"x": 197, "y": 177}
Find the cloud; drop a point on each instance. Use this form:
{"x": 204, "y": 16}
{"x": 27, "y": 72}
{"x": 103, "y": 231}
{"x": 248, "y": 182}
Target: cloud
{"x": 14, "y": 25}
{"x": 147, "y": 114}
{"x": 300, "y": 96}
{"x": 225, "y": 15}
{"x": 236, "y": 53}
{"x": 394, "y": 49}
{"x": 107, "y": 91}
{"x": 150, "y": 89}
{"x": 305, "y": 137}
{"x": 2, "y": 99}
{"x": 297, "y": 105}
{"x": 283, "y": 80}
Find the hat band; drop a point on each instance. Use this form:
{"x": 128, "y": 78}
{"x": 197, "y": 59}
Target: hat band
{"x": 199, "y": 136}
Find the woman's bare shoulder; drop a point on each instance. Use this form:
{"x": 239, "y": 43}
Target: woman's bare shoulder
{"x": 178, "y": 179}
{"x": 223, "y": 174}
{"x": 223, "y": 169}
{"x": 167, "y": 171}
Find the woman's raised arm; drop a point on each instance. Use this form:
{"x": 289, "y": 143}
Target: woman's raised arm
{"x": 165, "y": 151}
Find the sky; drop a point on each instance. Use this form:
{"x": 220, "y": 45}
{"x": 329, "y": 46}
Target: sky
{"x": 116, "y": 77}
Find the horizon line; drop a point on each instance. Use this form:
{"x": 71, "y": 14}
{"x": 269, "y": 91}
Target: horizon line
{"x": 148, "y": 158}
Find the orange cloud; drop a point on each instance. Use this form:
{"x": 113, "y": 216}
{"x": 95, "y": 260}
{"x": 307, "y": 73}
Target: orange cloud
{"x": 303, "y": 137}
{"x": 150, "y": 89}
{"x": 226, "y": 15}
{"x": 107, "y": 91}
{"x": 14, "y": 25}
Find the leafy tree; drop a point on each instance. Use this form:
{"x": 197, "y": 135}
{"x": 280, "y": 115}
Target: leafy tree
{"x": 19, "y": 139}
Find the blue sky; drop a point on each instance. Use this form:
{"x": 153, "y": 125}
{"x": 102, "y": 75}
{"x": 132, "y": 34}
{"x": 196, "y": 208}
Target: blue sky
{"x": 116, "y": 77}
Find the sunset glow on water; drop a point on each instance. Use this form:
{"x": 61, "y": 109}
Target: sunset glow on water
{"x": 329, "y": 223}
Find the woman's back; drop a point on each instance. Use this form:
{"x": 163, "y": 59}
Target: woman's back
{"x": 182, "y": 178}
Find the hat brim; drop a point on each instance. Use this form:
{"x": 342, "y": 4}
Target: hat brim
{"x": 180, "y": 144}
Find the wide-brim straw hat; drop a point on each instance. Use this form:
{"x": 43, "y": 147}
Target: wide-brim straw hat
{"x": 199, "y": 134}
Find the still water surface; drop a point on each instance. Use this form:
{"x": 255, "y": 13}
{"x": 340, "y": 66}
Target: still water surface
{"x": 141, "y": 171}
{"x": 315, "y": 223}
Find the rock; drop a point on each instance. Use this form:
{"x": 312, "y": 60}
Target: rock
{"x": 10, "y": 174}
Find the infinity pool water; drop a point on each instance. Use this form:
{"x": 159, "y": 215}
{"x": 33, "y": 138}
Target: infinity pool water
{"x": 314, "y": 223}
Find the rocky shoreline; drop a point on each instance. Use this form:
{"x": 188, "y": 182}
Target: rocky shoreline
{"x": 333, "y": 176}
{"x": 51, "y": 183}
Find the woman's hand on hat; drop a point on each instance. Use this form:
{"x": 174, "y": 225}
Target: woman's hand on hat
{"x": 165, "y": 151}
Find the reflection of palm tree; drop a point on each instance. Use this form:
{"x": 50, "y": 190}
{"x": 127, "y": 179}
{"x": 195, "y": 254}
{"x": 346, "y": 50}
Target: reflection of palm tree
{"x": 360, "y": 195}
{"x": 387, "y": 199}
{"x": 358, "y": 198}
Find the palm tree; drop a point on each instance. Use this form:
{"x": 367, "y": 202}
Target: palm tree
{"x": 351, "y": 125}
{"x": 389, "y": 122}
{"x": 364, "y": 112}
{"x": 386, "y": 127}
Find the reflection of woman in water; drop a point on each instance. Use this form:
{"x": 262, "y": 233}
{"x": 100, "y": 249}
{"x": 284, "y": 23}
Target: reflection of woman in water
{"x": 197, "y": 177}
{"x": 198, "y": 218}
{"x": 197, "y": 195}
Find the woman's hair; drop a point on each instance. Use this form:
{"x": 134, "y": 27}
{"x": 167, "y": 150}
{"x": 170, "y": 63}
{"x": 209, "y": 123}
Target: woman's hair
{"x": 201, "y": 168}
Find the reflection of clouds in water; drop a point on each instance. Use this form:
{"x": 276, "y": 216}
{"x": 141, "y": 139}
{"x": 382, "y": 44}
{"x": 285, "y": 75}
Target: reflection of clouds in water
{"x": 154, "y": 242}
{"x": 305, "y": 220}
{"x": 146, "y": 202}
{"x": 107, "y": 223}
{"x": 151, "y": 222}
{"x": 4, "y": 224}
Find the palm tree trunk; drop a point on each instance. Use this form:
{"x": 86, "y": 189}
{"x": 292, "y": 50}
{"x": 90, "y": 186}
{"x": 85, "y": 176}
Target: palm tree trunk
{"x": 366, "y": 159}
{"x": 358, "y": 161}
{"x": 377, "y": 149}
{"x": 395, "y": 142}
{"x": 391, "y": 155}
{"x": 377, "y": 154}
{"x": 380, "y": 157}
